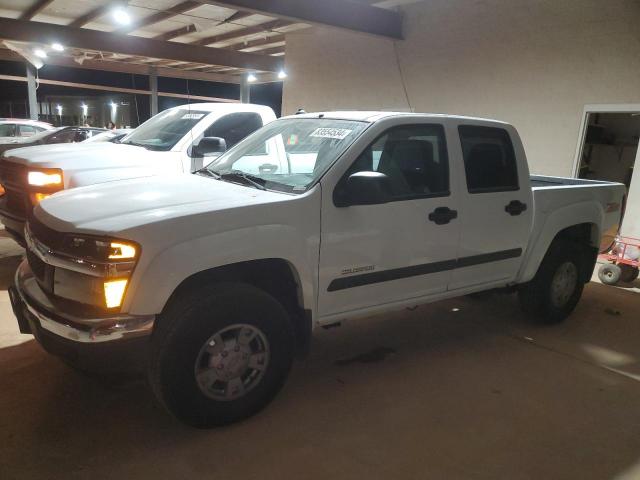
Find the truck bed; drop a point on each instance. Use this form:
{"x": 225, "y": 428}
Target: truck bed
{"x": 558, "y": 194}
{"x": 544, "y": 181}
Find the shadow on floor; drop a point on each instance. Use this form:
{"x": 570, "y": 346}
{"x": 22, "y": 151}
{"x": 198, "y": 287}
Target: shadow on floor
{"x": 458, "y": 392}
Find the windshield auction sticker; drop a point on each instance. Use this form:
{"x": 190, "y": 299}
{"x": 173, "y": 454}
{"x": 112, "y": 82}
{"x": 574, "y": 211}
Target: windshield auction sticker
{"x": 337, "y": 133}
{"x": 192, "y": 116}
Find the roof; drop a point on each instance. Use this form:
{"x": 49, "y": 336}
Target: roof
{"x": 224, "y": 107}
{"x": 374, "y": 116}
{"x": 26, "y": 121}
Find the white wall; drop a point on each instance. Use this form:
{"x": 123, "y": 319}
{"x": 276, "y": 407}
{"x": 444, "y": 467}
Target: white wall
{"x": 534, "y": 63}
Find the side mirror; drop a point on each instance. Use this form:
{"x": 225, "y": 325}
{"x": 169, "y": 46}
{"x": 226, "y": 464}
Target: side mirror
{"x": 363, "y": 188}
{"x": 208, "y": 145}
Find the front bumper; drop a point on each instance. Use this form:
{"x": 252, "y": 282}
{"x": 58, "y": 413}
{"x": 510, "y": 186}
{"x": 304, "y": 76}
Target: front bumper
{"x": 90, "y": 341}
{"x": 14, "y": 225}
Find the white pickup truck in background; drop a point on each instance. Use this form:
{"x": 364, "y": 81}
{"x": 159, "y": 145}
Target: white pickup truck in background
{"x": 218, "y": 278}
{"x": 175, "y": 141}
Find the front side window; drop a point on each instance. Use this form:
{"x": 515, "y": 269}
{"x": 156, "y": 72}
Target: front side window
{"x": 288, "y": 155}
{"x": 489, "y": 159}
{"x": 234, "y": 127}
{"x": 413, "y": 157}
{"x": 164, "y": 130}
{"x": 8, "y": 130}
{"x": 66, "y": 135}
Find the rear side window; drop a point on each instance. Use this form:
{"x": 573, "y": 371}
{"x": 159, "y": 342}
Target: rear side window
{"x": 489, "y": 159}
{"x": 27, "y": 130}
{"x": 234, "y": 127}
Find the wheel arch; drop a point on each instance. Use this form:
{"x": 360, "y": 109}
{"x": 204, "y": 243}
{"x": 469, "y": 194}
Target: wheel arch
{"x": 276, "y": 276}
{"x": 586, "y": 233}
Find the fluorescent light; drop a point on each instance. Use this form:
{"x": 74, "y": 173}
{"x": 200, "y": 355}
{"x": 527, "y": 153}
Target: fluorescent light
{"x": 38, "y": 52}
{"x": 85, "y": 109}
{"x": 59, "y": 109}
{"x": 282, "y": 74}
{"x": 251, "y": 78}
{"x": 121, "y": 16}
{"x": 58, "y": 47}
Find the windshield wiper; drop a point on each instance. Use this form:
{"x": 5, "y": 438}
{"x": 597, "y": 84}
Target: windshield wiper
{"x": 247, "y": 178}
{"x": 209, "y": 173}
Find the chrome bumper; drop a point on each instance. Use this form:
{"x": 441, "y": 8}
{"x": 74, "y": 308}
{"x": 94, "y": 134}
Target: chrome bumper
{"x": 28, "y": 300}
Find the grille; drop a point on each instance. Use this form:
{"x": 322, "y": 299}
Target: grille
{"x": 13, "y": 173}
{"x": 38, "y": 267}
{"x": 16, "y": 203}
{"x": 51, "y": 238}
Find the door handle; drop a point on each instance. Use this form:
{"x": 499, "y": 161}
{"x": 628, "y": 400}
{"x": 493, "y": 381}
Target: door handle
{"x": 442, "y": 215}
{"x": 515, "y": 207}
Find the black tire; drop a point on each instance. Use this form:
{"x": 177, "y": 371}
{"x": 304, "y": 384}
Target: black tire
{"x": 536, "y": 297}
{"x": 609, "y": 274}
{"x": 185, "y": 327}
{"x": 628, "y": 273}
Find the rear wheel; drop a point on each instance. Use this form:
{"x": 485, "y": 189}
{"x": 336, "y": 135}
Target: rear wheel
{"x": 609, "y": 274}
{"x": 557, "y": 287}
{"x": 220, "y": 355}
{"x": 628, "y": 273}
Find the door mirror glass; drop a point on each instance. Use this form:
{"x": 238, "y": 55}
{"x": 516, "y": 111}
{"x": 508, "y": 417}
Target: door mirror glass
{"x": 364, "y": 188}
{"x": 208, "y": 145}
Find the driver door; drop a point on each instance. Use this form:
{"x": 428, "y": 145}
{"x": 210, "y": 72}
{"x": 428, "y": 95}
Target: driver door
{"x": 372, "y": 255}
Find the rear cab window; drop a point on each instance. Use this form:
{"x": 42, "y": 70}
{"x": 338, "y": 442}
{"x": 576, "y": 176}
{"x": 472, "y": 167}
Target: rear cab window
{"x": 489, "y": 159}
{"x": 234, "y": 127}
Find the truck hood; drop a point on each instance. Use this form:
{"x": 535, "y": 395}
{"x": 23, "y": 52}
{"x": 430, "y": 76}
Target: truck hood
{"x": 127, "y": 204}
{"x": 80, "y": 156}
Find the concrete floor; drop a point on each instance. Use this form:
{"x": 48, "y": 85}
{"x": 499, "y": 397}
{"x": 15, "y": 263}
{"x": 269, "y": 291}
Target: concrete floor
{"x": 461, "y": 389}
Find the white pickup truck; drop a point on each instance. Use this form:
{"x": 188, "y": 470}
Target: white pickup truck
{"x": 177, "y": 140}
{"x": 217, "y": 279}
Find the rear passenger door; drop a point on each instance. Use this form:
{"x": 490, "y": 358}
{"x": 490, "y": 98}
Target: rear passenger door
{"x": 496, "y": 211}
{"x": 372, "y": 255}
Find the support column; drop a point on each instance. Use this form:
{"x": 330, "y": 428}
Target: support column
{"x": 31, "y": 92}
{"x": 245, "y": 89}
{"x": 153, "y": 86}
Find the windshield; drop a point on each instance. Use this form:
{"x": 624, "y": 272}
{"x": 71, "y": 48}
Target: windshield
{"x": 102, "y": 137}
{"x": 288, "y": 155}
{"x": 164, "y": 130}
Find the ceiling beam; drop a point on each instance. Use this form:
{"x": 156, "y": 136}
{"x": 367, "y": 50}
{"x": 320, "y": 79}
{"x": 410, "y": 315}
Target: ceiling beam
{"x": 346, "y": 14}
{"x": 257, "y": 43}
{"x": 160, "y": 16}
{"x": 121, "y": 67}
{"x": 35, "y": 9}
{"x": 270, "y": 51}
{"x": 237, "y": 16}
{"x": 178, "y": 32}
{"x": 240, "y": 33}
{"x": 103, "y": 88}
{"x": 29, "y": 31}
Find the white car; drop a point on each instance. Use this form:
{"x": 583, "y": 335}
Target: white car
{"x": 217, "y": 279}
{"x": 178, "y": 140}
{"x": 12, "y": 128}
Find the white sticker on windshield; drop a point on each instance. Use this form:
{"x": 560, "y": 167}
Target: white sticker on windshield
{"x": 192, "y": 116}
{"x": 337, "y": 133}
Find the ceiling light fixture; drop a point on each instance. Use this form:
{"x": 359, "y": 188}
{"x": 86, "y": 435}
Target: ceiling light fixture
{"x": 282, "y": 74}
{"x": 251, "y": 78}
{"x": 121, "y": 17}
{"x": 58, "y": 47}
{"x": 38, "y": 52}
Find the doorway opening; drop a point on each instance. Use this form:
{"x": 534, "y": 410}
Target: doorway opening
{"x": 608, "y": 150}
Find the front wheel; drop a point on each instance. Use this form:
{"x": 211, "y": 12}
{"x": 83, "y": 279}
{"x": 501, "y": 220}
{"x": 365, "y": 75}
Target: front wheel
{"x": 221, "y": 354}
{"x": 557, "y": 286}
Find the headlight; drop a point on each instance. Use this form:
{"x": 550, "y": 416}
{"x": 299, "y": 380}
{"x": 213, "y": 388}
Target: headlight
{"x": 103, "y": 250}
{"x": 109, "y": 264}
{"x": 51, "y": 177}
